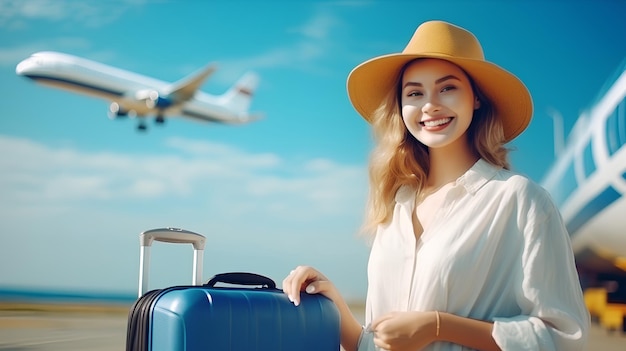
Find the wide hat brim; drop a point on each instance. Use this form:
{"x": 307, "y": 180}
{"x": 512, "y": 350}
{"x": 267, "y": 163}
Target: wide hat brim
{"x": 369, "y": 83}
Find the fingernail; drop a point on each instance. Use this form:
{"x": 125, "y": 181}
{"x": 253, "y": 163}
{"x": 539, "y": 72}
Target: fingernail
{"x": 296, "y": 303}
{"x": 310, "y": 289}
{"x": 290, "y": 298}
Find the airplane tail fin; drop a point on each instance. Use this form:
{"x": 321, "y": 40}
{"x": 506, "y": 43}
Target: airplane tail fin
{"x": 239, "y": 97}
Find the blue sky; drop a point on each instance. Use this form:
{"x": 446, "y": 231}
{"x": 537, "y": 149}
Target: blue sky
{"x": 76, "y": 188}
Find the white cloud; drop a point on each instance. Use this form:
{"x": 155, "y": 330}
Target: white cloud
{"x": 14, "y": 13}
{"x": 225, "y": 179}
{"x": 319, "y": 27}
{"x": 314, "y": 41}
{"x": 225, "y": 153}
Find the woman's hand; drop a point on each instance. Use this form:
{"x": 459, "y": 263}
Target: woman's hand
{"x": 305, "y": 278}
{"x": 400, "y": 331}
{"x": 308, "y": 279}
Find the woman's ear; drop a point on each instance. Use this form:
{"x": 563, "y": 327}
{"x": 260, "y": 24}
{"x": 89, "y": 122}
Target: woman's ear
{"x": 476, "y": 103}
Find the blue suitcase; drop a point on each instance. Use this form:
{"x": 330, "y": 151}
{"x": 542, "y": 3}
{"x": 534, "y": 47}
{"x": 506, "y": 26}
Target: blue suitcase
{"x": 236, "y": 317}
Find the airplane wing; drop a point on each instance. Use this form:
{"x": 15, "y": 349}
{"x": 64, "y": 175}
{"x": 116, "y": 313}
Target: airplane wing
{"x": 184, "y": 89}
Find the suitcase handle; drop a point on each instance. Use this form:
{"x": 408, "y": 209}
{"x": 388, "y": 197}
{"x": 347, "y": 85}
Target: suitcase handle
{"x": 242, "y": 278}
{"x": 170, "y": 235}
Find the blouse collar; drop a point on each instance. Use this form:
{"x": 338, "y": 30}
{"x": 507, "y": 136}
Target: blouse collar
{"x": 472, "y": 180}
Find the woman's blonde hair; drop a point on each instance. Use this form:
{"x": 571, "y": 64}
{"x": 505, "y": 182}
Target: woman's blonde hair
{"x": 400, "y": 159}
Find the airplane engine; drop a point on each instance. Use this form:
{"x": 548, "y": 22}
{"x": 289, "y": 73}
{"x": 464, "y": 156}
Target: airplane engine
{"x": 116, "y": 111}
{"x": 154, "y": 99}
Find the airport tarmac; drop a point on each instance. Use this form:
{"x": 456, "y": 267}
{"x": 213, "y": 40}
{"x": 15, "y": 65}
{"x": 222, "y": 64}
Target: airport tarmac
{"x": 56, "y": 329}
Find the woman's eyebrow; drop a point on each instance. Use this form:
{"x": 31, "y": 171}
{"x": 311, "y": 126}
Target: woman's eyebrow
{"x": 438, "y": 81}
{"x": 443, "y": 79}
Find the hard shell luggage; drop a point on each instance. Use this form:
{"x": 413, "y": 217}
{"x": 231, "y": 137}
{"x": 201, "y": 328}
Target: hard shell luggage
{"x": 248, "y": 314}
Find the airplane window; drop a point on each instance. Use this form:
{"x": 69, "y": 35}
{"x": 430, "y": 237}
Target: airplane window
{"x": 612, "y": 132}
{"x": 588, "y": 162}
{"x": 621, "y": 122}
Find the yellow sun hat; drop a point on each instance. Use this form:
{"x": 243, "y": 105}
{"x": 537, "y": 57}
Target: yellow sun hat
{"x": 369, "y": 82}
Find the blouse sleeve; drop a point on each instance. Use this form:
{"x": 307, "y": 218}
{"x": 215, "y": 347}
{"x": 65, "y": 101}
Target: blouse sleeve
{"x": 548, "y": 290}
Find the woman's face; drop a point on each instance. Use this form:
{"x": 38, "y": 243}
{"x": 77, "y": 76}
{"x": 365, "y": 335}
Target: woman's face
{"x": 437, "y": 102}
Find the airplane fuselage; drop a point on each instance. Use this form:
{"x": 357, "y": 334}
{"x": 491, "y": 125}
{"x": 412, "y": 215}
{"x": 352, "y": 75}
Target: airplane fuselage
{"x": 588, "y": 183}
{"x": 138, "y": 95}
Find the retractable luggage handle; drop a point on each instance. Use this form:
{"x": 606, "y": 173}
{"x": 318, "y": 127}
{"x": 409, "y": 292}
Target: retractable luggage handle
{"x": 169, "y": 235}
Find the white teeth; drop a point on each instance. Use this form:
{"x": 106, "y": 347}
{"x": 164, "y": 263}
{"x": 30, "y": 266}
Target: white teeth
{"x": 437, "y": 122}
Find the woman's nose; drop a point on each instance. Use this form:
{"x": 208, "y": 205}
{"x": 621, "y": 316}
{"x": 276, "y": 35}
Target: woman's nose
{"x": 430, "y": 107}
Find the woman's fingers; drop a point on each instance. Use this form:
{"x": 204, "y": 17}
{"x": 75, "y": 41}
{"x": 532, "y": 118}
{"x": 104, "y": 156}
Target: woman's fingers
{"x": 303, "y": 278}
{"x": 288, "y": 283}
{"x": 292, "y": 284}
{"x": 376, "y": 323}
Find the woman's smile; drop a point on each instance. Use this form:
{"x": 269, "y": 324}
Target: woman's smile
{"x": 438, "y": 123}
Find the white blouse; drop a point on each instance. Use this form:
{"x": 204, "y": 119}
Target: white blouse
{"x": 497, "y": 250}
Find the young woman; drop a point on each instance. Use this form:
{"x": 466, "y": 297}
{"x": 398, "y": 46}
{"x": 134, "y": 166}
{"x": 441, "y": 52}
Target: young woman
{"x": 466, "y": 254}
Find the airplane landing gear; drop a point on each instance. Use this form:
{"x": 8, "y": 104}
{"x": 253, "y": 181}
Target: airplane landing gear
{"x": 160, "y": 120}
{"x": 142, "y": 127}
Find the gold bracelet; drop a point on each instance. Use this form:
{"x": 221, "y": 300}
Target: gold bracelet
{"x": 438, "y": 322}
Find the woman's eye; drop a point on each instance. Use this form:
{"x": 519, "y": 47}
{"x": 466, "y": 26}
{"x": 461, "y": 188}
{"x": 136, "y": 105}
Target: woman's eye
{"x": 414, "y": 93}
{"x": 448, "y": 88}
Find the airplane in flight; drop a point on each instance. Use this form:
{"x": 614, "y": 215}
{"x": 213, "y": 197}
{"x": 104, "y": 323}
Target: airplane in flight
{"x": 135, "y": 95}
{"x": 588, "y": 184}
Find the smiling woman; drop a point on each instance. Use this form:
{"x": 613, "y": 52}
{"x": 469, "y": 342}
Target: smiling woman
{"x": 462, "y": 245}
